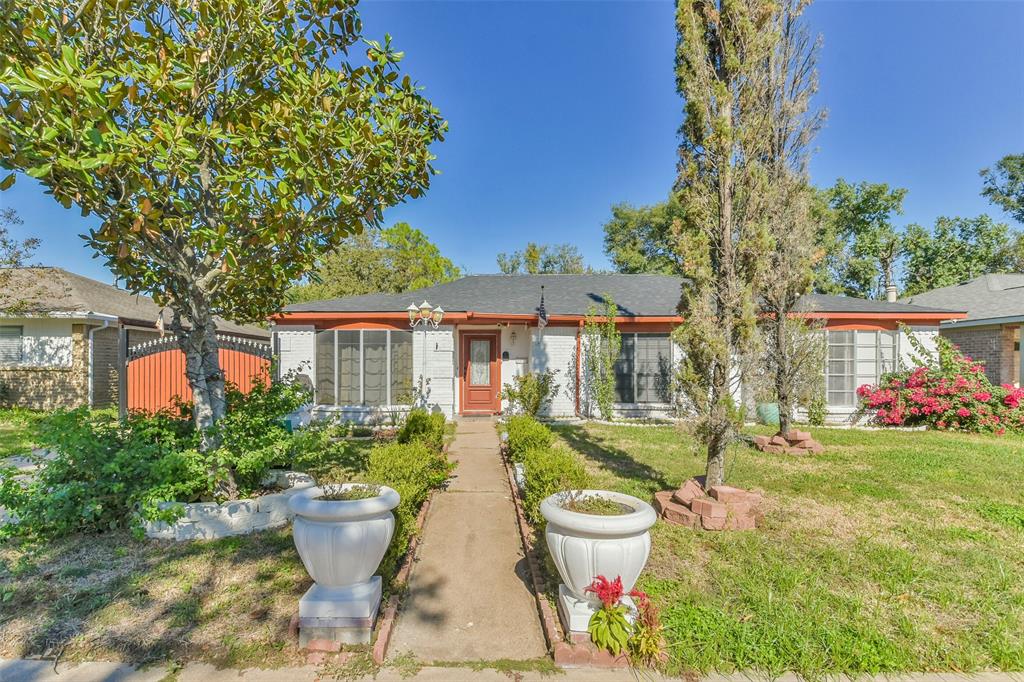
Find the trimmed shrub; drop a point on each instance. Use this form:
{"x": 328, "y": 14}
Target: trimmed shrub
{"x": 423, "y": 427}
{"x": 413, "y": 470}
{"x": 524, "y": 434}
{"x": 548, "y": 471}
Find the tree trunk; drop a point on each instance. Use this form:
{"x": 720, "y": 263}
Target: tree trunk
{"x": 714, "y": 474}
{"x": 782, "y": 374}
{"x": 202, "y": 369}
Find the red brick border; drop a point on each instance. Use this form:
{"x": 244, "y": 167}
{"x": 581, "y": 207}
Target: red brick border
{"x": 386, "y": 623}
{"x": 567, "y": 654}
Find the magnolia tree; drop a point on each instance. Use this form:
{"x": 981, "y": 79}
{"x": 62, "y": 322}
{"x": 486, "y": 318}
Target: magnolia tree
{"x": 223, "y": 145}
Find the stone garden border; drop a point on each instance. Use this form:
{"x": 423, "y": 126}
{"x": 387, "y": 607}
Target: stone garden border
{"x": 210, "y": 520}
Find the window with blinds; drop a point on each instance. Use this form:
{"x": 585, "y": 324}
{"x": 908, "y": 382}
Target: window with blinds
{"x": 643, "y": 371}
{"x": 370, "y": 367}
{"x": 11, "y": 344}
{"x": 855, "y": 358}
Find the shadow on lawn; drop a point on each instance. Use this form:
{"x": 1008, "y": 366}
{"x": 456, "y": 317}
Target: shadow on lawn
{"x": 613, "y": 459}
{"x": 71, "y": 589}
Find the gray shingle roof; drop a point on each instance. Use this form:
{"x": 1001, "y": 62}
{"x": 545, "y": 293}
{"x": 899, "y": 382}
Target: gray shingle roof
{"x": 988, "y": 296}
{"x": 55, "y": 290}
{"x": 635, "y": 295}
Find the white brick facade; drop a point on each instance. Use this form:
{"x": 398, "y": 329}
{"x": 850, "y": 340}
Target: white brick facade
{"x": 434, "y": 361}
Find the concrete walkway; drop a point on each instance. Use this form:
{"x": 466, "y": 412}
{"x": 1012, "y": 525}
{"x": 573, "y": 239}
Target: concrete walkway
{"x": 468, "y": 598}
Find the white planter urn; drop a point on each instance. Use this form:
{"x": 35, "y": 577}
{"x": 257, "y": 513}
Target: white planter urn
{"x": 341, "y": 544}
{"x": 584, "y": 546}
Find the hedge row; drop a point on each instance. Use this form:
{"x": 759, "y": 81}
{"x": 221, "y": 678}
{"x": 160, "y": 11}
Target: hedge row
{"x": 414, "y": 465}
{"x": 548, "y": 468}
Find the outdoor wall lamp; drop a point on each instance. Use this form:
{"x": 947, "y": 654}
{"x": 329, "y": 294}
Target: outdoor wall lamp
{"x": 424, "y": 313}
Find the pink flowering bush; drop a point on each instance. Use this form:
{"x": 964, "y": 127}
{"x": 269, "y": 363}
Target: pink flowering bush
{"x": 954, "y": 395}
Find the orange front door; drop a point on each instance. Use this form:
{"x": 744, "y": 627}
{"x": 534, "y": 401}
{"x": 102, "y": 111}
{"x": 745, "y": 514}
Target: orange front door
{"x": 480, "y": 375}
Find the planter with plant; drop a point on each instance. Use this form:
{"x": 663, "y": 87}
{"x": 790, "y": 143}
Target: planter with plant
{"x": 342, "y": 533}
{"x": 591, "y": 533}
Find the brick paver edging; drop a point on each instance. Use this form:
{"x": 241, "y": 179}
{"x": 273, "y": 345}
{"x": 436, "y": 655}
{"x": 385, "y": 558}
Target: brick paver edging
{"x": 579, "y": 654}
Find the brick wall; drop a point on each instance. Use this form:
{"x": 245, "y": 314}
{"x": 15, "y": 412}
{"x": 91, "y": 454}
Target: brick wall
{"x": 991, "y": 345}
{"x": 45, "y": 388}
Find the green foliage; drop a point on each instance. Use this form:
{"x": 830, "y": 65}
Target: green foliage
{"x": 220, "y": 146}
{"x": 423, "y": 427}
{"x": 235, "y": 140}
{"x": 609, "y": 629}
{"x": 638, "y": 239}
{"x": 399, "y": 258}
{"x": 1004, "y": 185}
{"x": 252, "y": 434}
{"x": 543, "y": 259}
{"x": 817, "y": 411}
{"x": 867, "y": 244}
{"x": 525, "y": 434}
{"x": 107, "y": 471}
{"x": 529, "y": 393}
{"x": 549, "y": 471}
{"x": 413, "y": 469}
{"x": 601, "y": 346}
{"x": 956, "y": 250}
{"x": 647, "y": 638}
{"x": 1009, "y": 515}
{"x": 104, "y": 469}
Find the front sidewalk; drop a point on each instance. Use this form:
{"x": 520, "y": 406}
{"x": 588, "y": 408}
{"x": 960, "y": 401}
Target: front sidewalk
{"x": 468, "y": 598}
{"x": 43, "y": 671}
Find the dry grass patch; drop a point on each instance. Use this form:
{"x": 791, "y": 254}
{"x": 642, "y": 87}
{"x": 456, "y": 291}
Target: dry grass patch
{"x": 112, "y": 597}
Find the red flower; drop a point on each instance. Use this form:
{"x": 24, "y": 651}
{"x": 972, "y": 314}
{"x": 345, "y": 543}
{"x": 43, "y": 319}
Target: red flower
{"x": 963, "y": 412}
{"x": 608, "y": 591}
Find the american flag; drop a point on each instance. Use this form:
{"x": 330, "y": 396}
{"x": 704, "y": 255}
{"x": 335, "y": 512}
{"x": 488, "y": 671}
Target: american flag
{"x": 542, "y": 313}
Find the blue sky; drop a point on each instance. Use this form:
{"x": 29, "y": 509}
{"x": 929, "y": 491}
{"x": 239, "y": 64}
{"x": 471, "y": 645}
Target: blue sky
{"x": 560, "y": 109}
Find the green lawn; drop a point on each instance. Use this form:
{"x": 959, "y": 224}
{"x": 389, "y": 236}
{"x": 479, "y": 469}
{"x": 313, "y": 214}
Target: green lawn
{"x": 892, "y": 551}
{"x": 15, "y": 432}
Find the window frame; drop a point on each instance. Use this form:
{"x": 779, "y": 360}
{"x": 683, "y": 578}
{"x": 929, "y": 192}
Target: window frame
{"x": 634, "y": 374}
{"x": 20, "y": 336}
{"x": 388, "y": 359}
{"x": 882, "y": 365}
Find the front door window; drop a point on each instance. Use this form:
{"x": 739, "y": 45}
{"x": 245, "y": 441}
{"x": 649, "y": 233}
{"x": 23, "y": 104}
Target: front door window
{"x": 479, "y": 362}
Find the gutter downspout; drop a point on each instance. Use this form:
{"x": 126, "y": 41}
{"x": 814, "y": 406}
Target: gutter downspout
{"x": 92, "y": 361}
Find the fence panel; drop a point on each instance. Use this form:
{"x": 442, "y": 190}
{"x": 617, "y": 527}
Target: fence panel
{"x": 156, "y": 370}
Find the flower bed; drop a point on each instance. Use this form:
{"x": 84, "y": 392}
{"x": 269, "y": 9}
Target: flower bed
{"x": 950, "y": 394}
{"x": 209, "y": 520}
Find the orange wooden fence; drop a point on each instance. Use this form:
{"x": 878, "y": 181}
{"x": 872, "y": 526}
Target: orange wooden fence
{"x": 155, "y": 371}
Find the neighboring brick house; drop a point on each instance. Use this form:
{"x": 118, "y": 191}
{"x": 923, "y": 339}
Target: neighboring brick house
{"x": 62, "y": 348}
{"x": 991, "y": 331}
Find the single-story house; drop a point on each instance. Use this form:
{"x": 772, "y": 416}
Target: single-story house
{"x": 363, "y": 359}
{"x": 61, "y": 348}
{"x": 991, "y": 331}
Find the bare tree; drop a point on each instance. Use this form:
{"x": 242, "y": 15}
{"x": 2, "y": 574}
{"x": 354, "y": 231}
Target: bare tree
{"x": 14, "y": 254}
{"x": 791, "y": 343}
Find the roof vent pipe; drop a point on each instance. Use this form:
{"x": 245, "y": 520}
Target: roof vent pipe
{"x": 890, "y": 293}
